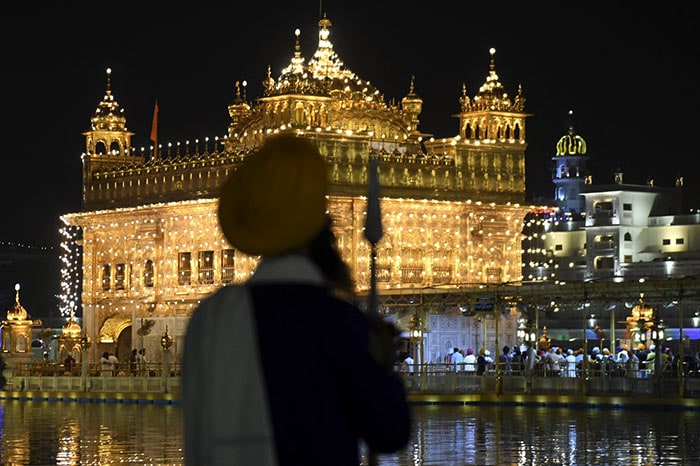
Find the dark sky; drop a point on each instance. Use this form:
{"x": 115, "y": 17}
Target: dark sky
{"x": 629, "y": 73}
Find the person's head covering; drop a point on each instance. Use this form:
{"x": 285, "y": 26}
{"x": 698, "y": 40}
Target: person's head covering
{"x": 569, "y": 351}
{"x": 275, "y": 201}
{"x": 470, "y": 351}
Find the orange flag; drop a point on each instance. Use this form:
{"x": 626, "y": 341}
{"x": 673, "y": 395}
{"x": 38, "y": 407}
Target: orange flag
{"x": 154, "y": 131}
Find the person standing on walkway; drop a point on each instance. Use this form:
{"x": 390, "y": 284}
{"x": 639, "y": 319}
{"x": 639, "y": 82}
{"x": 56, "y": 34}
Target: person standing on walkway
{"x": 469, "y": 361}
{"x": 114, "y": 361}
{"x": 408, "y": 363}
{"x": 457, "y": 360}
{"x": 241, "y": 405}
{"x": 504, "y": 360}
{"x": 140, "y": 369}
{"x": 570, "y": 363}
{"x": 106, "y": 365}
{"x": 133, "y": 362}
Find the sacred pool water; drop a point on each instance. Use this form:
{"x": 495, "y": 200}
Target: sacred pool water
{"x": 71, "y": 433}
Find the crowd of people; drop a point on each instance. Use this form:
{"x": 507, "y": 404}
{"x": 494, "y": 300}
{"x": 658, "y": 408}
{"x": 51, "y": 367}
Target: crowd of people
{"x": 110, "y": 365}
{"x": 556, "y": 361}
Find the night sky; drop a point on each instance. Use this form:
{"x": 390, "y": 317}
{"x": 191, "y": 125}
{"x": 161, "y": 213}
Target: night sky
{"x": 630, "y": 75}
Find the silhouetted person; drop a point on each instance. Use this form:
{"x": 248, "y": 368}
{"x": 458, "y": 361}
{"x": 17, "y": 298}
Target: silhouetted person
{"x": 242, "y": 404}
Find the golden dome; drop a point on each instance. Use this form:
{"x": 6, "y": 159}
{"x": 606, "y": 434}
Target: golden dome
{"x": 321, "y": 95}
{"x": 72, "y": 329}
{"x": 571, "y": 143}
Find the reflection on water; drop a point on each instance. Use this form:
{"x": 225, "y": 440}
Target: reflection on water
{"x": 532, "y": 435}
{"x": 69, "y": 433}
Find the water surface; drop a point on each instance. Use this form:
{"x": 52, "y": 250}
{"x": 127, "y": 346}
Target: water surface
{"x": 70, "y": 433}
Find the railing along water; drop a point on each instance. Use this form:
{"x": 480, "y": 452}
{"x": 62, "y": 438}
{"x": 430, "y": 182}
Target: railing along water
{"x": 53, "y": 376}
{"x": 426, "y": 379}
{"x": 443, "y": 379}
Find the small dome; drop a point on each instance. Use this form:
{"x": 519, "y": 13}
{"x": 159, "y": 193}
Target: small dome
{"x": 72, "y": 329}
{"x": 571, "y": 143}
{"x": 108, "y": 116}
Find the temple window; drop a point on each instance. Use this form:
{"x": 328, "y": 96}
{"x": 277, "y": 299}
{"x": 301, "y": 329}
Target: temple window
{"x": 148, "y": 274}
{"x": 120, "y": 277}
{"x": 228, "y": 263}
{"x": 106, "y": 277}
{"x": 205, "y": 267}
{"x": 184, "y": 268}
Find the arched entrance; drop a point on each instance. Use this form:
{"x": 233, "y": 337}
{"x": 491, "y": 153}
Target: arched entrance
{"x": 115, "y": 336}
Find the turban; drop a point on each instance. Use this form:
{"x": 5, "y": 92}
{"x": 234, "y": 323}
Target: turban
{"x": 275, "y": 201}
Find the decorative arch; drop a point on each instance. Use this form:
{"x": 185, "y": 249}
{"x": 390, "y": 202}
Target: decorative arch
{"x": 112, "y": 327}
{"x": 100, "y": 147}
{"x": 115, "y": 147}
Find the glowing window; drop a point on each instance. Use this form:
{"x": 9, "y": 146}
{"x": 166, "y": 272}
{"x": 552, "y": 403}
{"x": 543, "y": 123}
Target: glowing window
{"x": 228, "y": 266}
{"x": 205, "y": 267}
{"x": 106, "y": 277}
{"x": 148, "y": 274}
{"x": 184, "y": 268}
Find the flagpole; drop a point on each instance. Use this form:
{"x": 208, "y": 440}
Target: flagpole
{"x": 373, "y": 233}
{"x": 154, "y": 131}
{"x": 373, "y": 228}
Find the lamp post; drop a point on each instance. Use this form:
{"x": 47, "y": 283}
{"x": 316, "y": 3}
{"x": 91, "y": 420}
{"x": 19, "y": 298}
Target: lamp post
{"x": 657, "y": 337}
{"x": 166, "y": 341}
{"x": 85, "y": 344}
{"x": 530, "y": 338}
{"x": 416, "y": 327}
{"x": 681, "y": 344}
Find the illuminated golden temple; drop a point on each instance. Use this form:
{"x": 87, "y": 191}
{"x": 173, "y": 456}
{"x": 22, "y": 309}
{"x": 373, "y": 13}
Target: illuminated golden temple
{"x": 147, "y": 243}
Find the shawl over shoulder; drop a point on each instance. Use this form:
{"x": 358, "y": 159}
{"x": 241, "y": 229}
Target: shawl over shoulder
{"x": 227, "y": 419}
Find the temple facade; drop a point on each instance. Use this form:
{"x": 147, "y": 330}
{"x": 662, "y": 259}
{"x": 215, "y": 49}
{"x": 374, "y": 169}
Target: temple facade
{"x": 146, "y": 246}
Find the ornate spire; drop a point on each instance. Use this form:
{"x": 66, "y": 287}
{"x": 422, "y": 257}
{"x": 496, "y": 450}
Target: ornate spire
{"x": 325, "y": 63}
{"x": 464, "y": 100}
{"x": 17, "y": 312}
{"x": 108, "y": 116}
{"x": 412, "y": 104}
{"x": 492, "y": 95}
{"x": 295, "y": 78}
{"x": 269, "y": 81}
{"x": 297, "y": 64}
